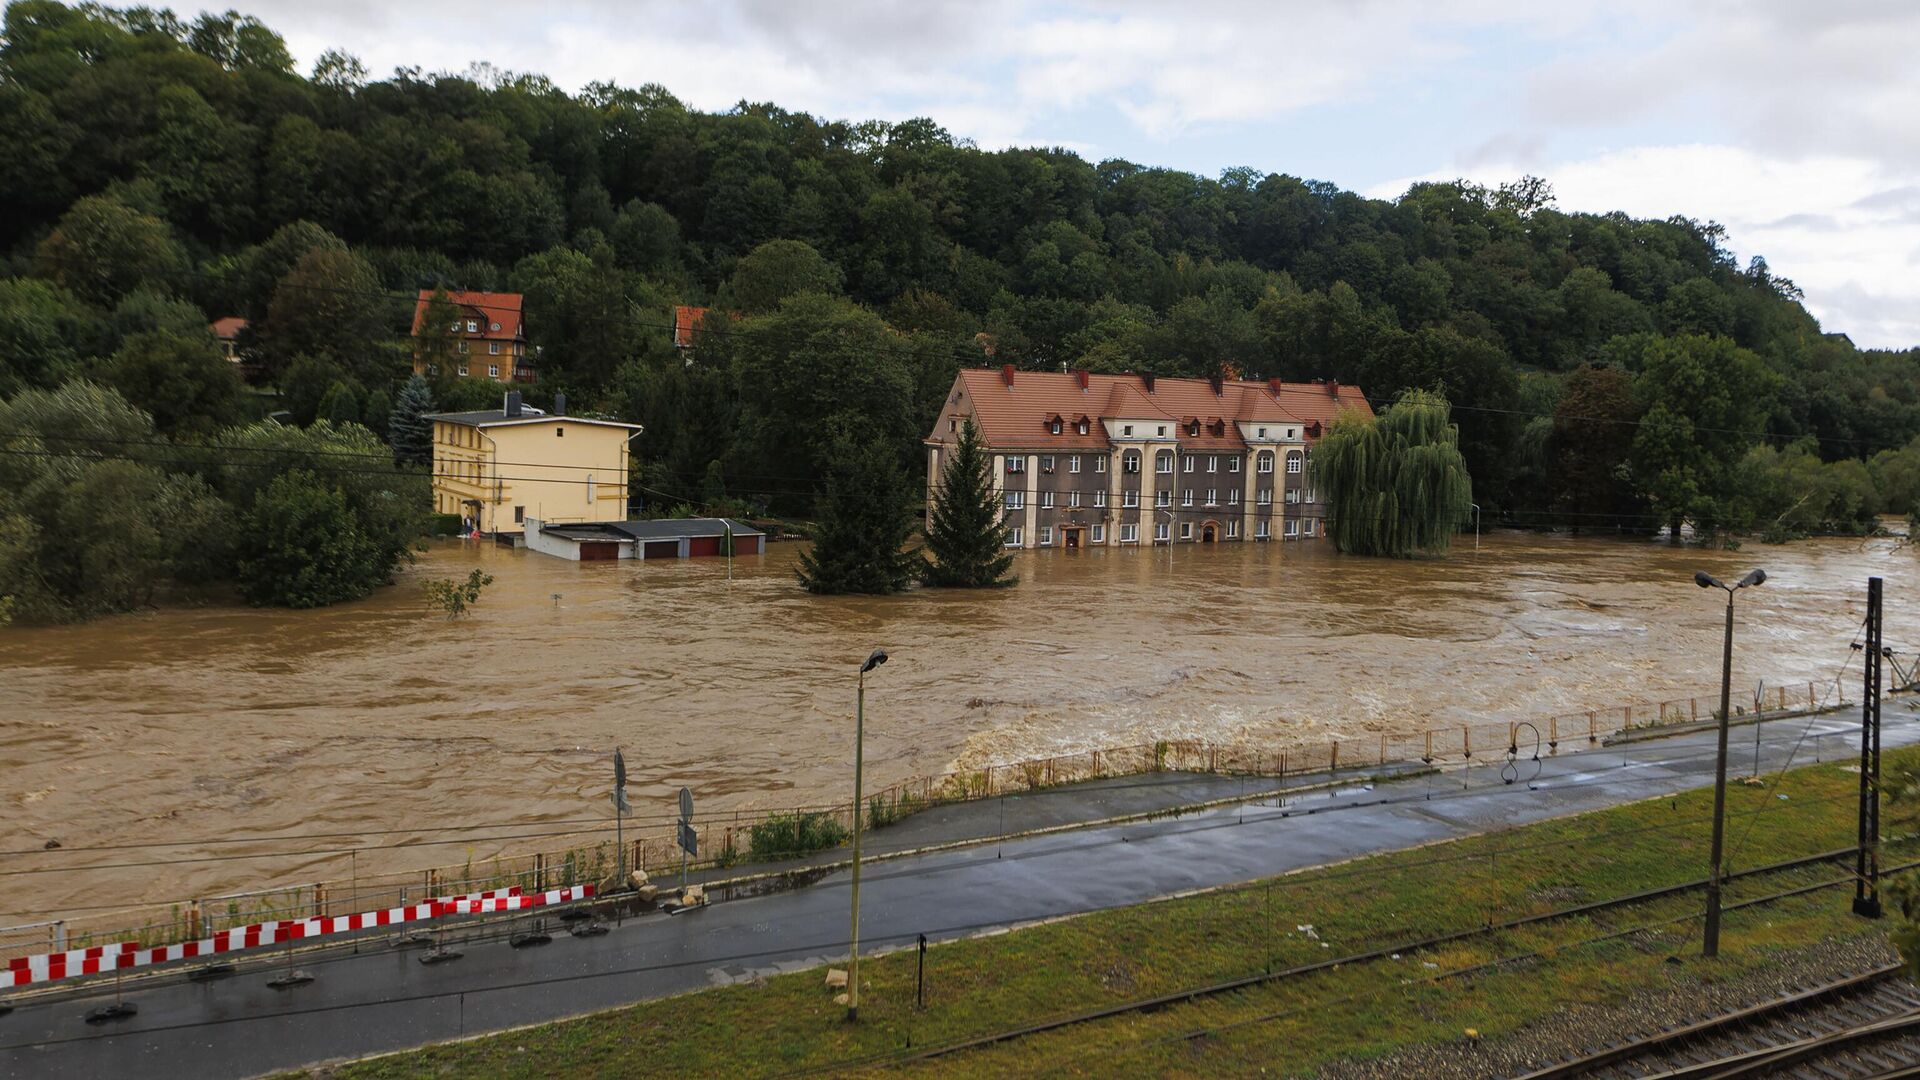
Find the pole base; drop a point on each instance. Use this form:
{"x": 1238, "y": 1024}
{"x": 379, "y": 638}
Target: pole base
{"x": 853, "y": 1014}
{"x": 1867, "y": 907}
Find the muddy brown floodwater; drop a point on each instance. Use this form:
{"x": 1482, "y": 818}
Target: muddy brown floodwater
{"x": 376, "y": 715}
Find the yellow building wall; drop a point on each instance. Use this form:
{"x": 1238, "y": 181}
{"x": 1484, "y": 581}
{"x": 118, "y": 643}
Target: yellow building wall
{"x": 519, "y": 471}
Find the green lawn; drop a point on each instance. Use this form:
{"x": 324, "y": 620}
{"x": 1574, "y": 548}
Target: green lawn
{"x": 976, "y": 986}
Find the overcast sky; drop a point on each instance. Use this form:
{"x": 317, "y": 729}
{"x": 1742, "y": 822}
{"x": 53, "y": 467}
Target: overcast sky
{"x": 1795, "y": 123}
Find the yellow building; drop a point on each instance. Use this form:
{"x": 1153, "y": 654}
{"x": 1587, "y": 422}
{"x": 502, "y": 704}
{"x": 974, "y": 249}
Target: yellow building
{"x": 499, "y": 467}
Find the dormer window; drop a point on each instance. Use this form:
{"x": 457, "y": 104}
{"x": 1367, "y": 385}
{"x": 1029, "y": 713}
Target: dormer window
{"x": 473, "y": 326}
{"x": 455, "y": 327}
{"x": 1193, "y": 428}
{"x": 1263, "y": 433}
{"x": 1081, "y": 427}
{"x": 1054, "y": 427}
{"x": 1126, "y": 430}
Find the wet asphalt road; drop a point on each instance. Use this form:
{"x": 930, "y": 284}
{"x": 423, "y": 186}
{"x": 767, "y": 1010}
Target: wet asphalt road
{"x": 384, "y": 999}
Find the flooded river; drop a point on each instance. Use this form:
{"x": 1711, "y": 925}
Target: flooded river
{"x": 378, "y": 716}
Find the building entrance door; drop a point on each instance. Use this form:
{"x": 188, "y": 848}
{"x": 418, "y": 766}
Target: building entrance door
{"x": 1072, "y": 537}
{"x": 1207, "y": 533}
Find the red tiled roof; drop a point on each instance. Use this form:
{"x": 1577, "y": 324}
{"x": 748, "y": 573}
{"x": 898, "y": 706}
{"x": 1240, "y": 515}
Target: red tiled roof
{"x": 228, "y": 328}
{"x": 1019, "y": 415}
{"x": 686, "y": 323}
{"x": 496, "y": 314}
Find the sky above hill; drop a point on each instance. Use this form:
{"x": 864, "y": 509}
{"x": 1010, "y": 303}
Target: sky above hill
{"x": 1793, "y": 123}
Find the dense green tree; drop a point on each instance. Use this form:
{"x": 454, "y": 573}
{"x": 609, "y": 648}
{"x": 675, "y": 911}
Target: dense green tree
{"x": 1396, "y": 484}
{"x": 331, "y": 305}
{"x": 408, "y": 430}
{"x": 302, "y": 546}
{"x": 1593, "y": 429}
{"x": 44, "y": 331}
{"x": 774, "y": 271}
{"x": 864, "y": 520}
{"x": 966, "y": 535}
{"x": 103, "y": 249}
{"x": 341, "y": 405}
{"x": 376, "y": 410}
{"x": 1706, "y": 400}
{"x": 182, "y": 380}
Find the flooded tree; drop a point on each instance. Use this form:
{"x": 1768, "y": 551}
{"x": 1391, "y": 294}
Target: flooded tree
{"x": 965, "y": 533}
{"x": 1394, "y": 485}
{"x": 864, "y": 520}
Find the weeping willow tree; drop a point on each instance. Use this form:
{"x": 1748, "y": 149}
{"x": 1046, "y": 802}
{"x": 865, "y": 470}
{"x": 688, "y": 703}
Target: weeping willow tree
{"x": 1395, "y": 485}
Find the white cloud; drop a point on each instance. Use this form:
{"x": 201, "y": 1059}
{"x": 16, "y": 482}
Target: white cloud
{"x": 1843, "y": 228}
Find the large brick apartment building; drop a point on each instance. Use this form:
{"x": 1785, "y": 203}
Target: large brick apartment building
{"x": 1081, "y": 459}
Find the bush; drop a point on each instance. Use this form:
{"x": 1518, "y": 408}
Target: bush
{"x": 787, "y": 834}
{"x": 302, "y": 547}
{"x": 444, "y": 525}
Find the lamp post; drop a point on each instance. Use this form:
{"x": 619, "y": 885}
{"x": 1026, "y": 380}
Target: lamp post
{"x": 878, "y": 657}
{"x": 1711, "y": 946}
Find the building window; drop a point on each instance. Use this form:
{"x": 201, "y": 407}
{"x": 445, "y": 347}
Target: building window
{"x": 1265, "y": 497}
{"x": 1163, "y": 463}
{"x": 1186, "y": 530}
{"x": 1097, "y": 534}
{"x": 455, "y": 327}
{"x": 559, "y": 433}
{"x": 1294, "y": 462}
{"x": 1187, "y": 465}
{"x": 1081, "y": 427}
{"x": 1266, "y": 461}
{"x": 1100, "y": 499}
{"x": 1233, "y": 496}
{"x": 1129, "y": 499}
{"x": 1233, "y": 529}
{"x": 1233, "y": 464}
{"x": 460, "y": 346}
{"x": 1046, "y": 536}
{"x": 1163, "y": 498}
{"x": 1213, "y": 462}
{"x": 1046, "y": 502}
{"x": 473, "y": 326}
{"x": 496, "y": 328}
{"x": 1186, "y": 497}
{"x": 953, "y": 425}
{"x": 1163, "y": 431}
{"x": 493, "y": 371}
{"x": 1054, "y": 427}
{"x": 463, "y": 371}
{"x": 1193, "y": 428}
{"x": 1293, "y": 495}
{"x": 1161, "y": 533}
{"x": 1130, "y": 461}
{"x": 1306, "y": 527}
{"x": 1016, "y": 500}
{"x": 1263, "y": 433}
{"x": 1260, "y": 531}
{"x": 1046, "y": 463}
{"x": 1213, "y": 496}
{"x": 1129, "y": 534}
{"x": 1126, "y": 430}
{"x": 1289, "y": 433}
{"x": 1013, "y": 538}
{"x": 1073, "y": 463}
{"x": 519, "y": 515}
{"x": 1100, "y": 464}
{"x": 1293, "y": 527}
{"x": 1073, "y": 499}
{"x": 493, "y": 348}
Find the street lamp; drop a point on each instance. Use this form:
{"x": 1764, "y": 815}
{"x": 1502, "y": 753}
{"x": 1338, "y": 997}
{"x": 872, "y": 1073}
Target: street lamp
{"x": 1711, "y": 947}
{"x": 874, "y": 660}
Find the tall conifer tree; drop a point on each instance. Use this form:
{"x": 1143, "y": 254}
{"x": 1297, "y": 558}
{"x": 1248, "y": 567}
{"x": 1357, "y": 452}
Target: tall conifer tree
{"x": 865, "y": 518}
{"x": 965, "y": 534}
{"x": 407, "y": 428}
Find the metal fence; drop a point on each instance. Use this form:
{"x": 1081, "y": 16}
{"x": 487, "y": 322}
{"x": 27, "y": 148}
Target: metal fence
{"x": 591, "y": 856}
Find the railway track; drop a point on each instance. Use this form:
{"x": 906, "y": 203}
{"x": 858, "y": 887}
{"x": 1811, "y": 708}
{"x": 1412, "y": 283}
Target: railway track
{"x": 1865, "y": 1027}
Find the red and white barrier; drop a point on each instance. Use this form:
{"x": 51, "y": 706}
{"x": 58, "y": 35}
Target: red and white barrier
{"x": 48, "y": 967}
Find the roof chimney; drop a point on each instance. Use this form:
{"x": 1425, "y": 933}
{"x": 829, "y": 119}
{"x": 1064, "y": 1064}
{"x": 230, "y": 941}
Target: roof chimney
{"x": 560, "y": 404}
{"x": 1333, "y": 388}
{"x": 1080, "y": 376}
{"x": 1146, "y": 380}
{"x": 1273, "y": 387}
{"x": 1218, "y": 383}
{"x": 1006, "y": 374}
{"x": 511, "y": 407}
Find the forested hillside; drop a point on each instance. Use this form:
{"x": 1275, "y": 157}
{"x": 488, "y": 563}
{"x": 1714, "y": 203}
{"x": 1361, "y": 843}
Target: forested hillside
{"x": 159, "y": 174}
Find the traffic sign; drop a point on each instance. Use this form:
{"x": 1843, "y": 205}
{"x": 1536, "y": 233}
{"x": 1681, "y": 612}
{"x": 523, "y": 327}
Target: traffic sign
{"x": 689, "y": 840}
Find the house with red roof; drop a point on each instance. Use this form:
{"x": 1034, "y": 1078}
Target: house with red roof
{"x": 1082, "y": 460}
{"x": 226, "y": 331}
{"x": 484, "y": 338}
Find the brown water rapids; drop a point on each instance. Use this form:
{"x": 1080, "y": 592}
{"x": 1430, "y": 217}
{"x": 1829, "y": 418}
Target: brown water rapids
{"x": 378, "y": 716}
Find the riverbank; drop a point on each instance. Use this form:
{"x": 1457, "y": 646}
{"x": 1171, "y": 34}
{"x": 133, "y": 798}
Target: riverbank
{"x": 1409, "y": 998}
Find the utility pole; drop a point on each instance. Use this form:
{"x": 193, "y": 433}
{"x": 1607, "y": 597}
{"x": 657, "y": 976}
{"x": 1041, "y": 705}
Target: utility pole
{"x": 1866, "y": 881}
{"x": 877, "y": 658}
{"x": 1710, "y": 947}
